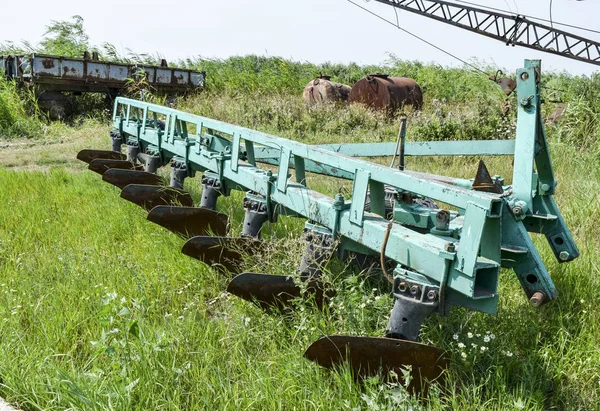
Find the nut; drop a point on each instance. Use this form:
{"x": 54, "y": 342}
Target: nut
{"x": 415, "y": 289}
{"x": 517, "y": 210}
{"x": 537, "y": 299}
{"x": 564, "y": 256}
{"x": 402, "y": 287}
{"x": 450, "y": 247}
{"x": 432, "y": 294}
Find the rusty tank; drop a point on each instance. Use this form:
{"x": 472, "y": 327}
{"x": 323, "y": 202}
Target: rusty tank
{"x": 383, "y": 92}
{"x": 323, "y": 90}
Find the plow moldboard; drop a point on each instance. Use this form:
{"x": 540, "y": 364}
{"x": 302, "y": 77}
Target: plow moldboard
{"x": 123, "y": 177}
{"x": 225, "y": 251}
{"x": 266, "y": 290}
{"x": 149, "y": 196}
{"x": 101, "y": 165}
{"x": 88, "y": 155}
{"x": 368, "y": 356}
{"x": 189, "y": 221}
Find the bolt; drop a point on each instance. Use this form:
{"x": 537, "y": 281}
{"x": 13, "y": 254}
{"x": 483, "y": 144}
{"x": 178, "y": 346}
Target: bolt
{"x": 524, "y": 76}
{"x": 432, "y": 294}
{"x": 537, "y": 299}
{"x": 545, "y": 187}
{"x": 450, "y": 247}
{"x": 564, "y": 256}
{"x": 415, "y": 289}
{"x": 517, "y": 210}
{"x": 402, "y": 287}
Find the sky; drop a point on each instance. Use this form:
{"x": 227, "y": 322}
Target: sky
{"x": 307, "y": 30}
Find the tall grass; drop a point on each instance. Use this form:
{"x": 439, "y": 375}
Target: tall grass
{"x": 100, "y": 310}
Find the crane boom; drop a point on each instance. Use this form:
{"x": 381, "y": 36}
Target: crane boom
{"x": 511, "y": 29}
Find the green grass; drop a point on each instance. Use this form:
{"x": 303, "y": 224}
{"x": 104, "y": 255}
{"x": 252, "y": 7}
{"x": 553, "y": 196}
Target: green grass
{"x": 100, "y": 310}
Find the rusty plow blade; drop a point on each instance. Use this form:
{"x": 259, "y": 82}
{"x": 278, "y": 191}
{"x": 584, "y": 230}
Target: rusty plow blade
{"x": 224, "y": 251}
{"x": 89, "y": 155}
{"x": 368, "y": 356}
{"x": 123, "y": 177}
{"x": 189, "y": 221}
{"x": 149, "y": 196}
{"x": 101, "y": 165}
{"x": 270, "y": 291}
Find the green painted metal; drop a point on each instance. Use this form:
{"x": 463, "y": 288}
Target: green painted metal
{"x": 489, "y": 230}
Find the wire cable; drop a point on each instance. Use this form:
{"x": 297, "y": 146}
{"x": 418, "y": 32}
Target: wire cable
{"x": 417, "y": 37}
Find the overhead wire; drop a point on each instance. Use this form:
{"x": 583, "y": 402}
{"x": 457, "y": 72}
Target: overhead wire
{"x": 417, "y": 37}
{"x": 397, "y": 25}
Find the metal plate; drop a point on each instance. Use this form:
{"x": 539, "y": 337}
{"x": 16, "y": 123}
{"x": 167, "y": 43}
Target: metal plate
{"x": 100, "y": 165}
{"x": 189, "y": 221}
{"x": 270, "y": 291}
{"x": 368, "y": 356}
{"x": 265, "y": 290}
{"x": 225, "y": 251}
{"x": 149, "y": 196}
{"x": 88, "y": 155}
{"x": 122, "y": 177}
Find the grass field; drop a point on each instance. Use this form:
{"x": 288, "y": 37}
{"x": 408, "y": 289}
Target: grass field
{"x": 100, "y": 310}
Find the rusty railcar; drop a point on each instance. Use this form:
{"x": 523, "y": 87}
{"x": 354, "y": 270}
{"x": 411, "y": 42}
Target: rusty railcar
{"x": 322, "y": 90}
{"x": 383, "y": 92}
{"x": 80, "y": 75}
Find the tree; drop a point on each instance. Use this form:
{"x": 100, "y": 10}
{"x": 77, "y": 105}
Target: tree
{"x": 65, "y": 38}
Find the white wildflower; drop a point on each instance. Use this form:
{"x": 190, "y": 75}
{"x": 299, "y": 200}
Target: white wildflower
{"x": 486, "y": 338}
{"x": 508, "y": 354}
{"x": 470, "y": 334}
{"x": 455, "y": 336}
{"x": 461, "y": 345}
{"x": 463, "y": 354}
{"x": 483, "y": 348}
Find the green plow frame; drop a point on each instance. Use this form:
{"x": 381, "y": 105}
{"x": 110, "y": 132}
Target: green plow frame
{"x": 443, "y": 257}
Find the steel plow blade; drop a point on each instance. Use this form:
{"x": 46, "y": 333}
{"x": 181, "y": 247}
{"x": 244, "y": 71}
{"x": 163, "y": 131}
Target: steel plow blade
{"x": 123, "y": 177}
{"x": 149, "y": 196}
{"x": 88, "y": 155}
{"x": 270, "y": 291}
{"x": 225, "y": 251}
{"x": 369, "y": 356}
{"x": 265, "y": 290}
{"x": 101, "y": 165}
{"x": 189, "y": 221}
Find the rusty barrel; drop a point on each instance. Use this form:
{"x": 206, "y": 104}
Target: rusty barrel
{"x": 387, "y": 93}
{"x": 323, "y": 90}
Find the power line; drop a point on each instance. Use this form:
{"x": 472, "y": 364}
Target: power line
{"x": 417, "y": 37}
{"x": 397, "y": 25}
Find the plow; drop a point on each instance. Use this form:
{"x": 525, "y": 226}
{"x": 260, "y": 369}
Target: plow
{"x": 440, "y": 240}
